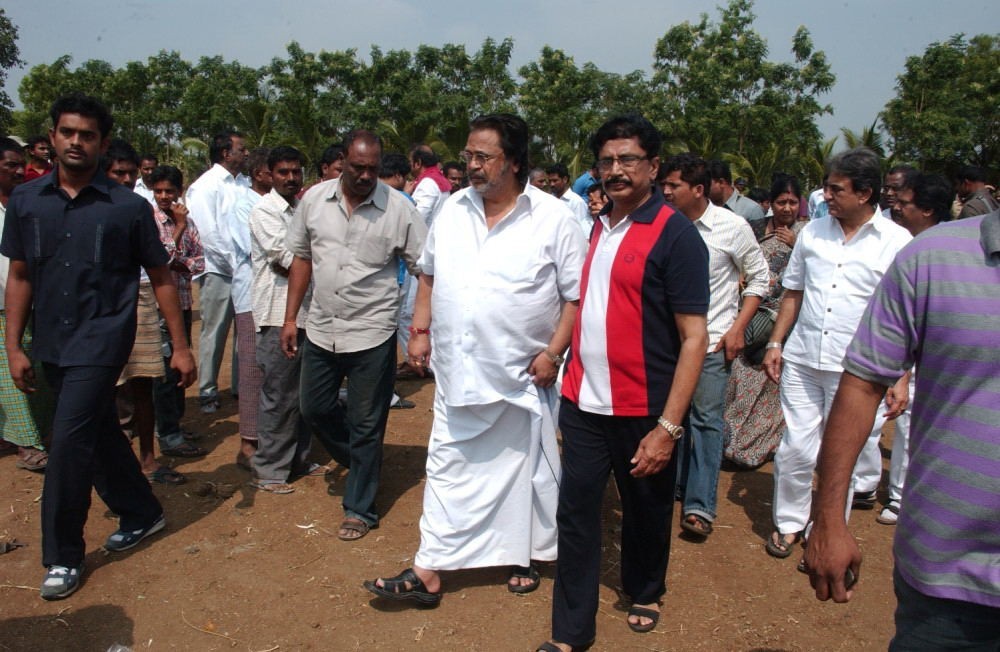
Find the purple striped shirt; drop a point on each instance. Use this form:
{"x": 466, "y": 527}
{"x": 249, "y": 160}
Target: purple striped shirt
{"x": 939, "y": 306}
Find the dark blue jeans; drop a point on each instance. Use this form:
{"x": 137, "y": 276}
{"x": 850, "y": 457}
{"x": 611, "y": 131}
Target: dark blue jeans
{"x": 927, "y": 624}
{"x": 352, "y": 435}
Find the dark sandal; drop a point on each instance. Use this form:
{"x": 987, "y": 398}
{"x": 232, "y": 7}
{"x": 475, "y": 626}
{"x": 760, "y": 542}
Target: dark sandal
{"x": 523, "y": 572}
{"x": 642, "y": 612}
{"x": 184, "y": 449}
{"x": 697, "y": 525}
{"x": 353, "y": 529}
{"x": 395, "y": 588}
{"x": 166, "y": 475}
{"x": 34, "y": 460}
{"x": 549, "y": 646}
{"x": 776, "y": 545}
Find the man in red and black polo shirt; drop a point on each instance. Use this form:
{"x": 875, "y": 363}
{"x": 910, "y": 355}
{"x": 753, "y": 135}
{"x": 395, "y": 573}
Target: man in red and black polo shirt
{"x": 636, "y": 354}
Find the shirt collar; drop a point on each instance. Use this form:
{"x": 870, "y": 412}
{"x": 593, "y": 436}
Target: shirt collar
{"x": 99, "y": 182}
{"x": 281, "y": 201}
{"x": 379, "y": 197}
{"x": 646, "y": 213}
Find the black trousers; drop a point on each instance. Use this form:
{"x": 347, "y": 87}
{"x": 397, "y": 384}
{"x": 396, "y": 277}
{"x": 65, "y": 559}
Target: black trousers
{"x": 88, "y": 450}
{"x": 593, "y": 446}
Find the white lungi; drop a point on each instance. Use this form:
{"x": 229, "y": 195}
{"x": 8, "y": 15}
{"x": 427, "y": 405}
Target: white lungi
{"x": 492, "y": 483}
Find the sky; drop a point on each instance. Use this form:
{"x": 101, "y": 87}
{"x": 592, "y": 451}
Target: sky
{"x": 866, "y": 41}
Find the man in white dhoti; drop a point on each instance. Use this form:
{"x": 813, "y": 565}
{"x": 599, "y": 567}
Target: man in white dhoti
{"x": 497, "y": 300}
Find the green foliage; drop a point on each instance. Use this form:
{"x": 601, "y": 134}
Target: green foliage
{"x": 714, "y": 92}
{"x": 9, "y": 58}
{"x": 945, "y": 113}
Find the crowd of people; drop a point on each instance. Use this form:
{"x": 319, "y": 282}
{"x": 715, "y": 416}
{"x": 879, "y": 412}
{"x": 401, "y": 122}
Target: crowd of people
{"x": 647, "y": 320}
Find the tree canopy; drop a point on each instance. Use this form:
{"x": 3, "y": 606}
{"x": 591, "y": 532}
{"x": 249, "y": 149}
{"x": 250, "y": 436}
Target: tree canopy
{"x": 713, "y": 90}
{"x": 945, "y": 112}
{"x": 9, "y": 58}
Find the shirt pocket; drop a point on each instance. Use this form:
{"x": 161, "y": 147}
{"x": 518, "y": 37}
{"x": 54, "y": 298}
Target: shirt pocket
{"x": 375, "y": 251}
{"x": 42, "y": 244}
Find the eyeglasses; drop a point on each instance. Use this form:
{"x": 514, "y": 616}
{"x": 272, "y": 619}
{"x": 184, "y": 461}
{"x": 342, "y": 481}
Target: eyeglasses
{"x": 624, "y": 162}
{"x": 480, "y": 158}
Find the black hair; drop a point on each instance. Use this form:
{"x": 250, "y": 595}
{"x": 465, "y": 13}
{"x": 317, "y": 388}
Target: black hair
{"x": 258, "y": 158}
{"x": 693, "y": 169}
{"x": 394, "y": 163}
{"x": 424, "y": 155}
{"x": 10, "y": 145}
{"x": 149, "y": 157}
{"x": 34, "y": 140}
{"x": 782, "y": 183}
{"x": 118, "y": 150}
{"x": 720, "y": 170}
{"x": 85, "y": 105}
{"x": 333, "y": 153}
{"x": 514, "y": 138}
{"x": 283, "y": 153}
{"x": 972, "y": 173}
{"x": 558, "y": 168}
{"x": 630, "y": 125}
{"x": 222, "y": 142}
{"x": 862, "y": 167}
{"x": 934, "y": 193}
{"x": 166, "y": 173}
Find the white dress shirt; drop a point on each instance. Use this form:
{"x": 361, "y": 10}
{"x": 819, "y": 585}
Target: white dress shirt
{"x": 498, "y": 293}
{"x": 429, "y": 199}
{"x": 732, "y": 251}
{"x": 837, "y": 279}
{"x": 211, "y": 200}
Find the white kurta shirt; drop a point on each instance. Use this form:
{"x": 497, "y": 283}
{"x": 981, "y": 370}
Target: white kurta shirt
{"x": 837, "y": 279}
{"x": 211, "y": 200}
{"x": 497, "y": 293}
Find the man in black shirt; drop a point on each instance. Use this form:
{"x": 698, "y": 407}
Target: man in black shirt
{"x": 76, "y": 241}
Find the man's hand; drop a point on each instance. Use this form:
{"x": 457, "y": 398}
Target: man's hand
{"x": 182, "y": 361}
{"x": 290, "y": 340}
{"x": 653, "y": 454}
{"x": 831, "y": 553}
{"x": 897, "y": 397}
{"x": 772, "y": 364}
{"x": 733, "y": 342}
{"x": 542, "y": 370}
{"x": 21, "y": 370}
{"x": 419, "y": 352}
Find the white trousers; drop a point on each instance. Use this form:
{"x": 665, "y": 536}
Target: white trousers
{"x": 900, "y": 449}
{"x": 806, "y": 398}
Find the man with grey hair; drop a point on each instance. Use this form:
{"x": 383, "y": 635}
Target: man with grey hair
{"x": 346, "y": 235}
{"x": 834, "y": 268}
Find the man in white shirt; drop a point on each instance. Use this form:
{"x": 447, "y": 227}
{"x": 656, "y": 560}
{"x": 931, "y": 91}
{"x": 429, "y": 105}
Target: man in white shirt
{"x": 558, "y": 177}
{"x": 497, "y": 300}
{"x": 834, "y": 268}
{"x": 733, "y": 255}
{"x": 211, "y": 200}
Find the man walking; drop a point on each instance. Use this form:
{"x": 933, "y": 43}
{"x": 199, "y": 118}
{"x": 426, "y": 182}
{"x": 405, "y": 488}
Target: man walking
{"x": 345, "y": 236}
{"x": 514, "y": 253}
{"x": 76, "y": 241}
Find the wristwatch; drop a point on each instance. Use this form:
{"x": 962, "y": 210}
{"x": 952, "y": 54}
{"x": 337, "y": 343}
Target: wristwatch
{"x": 557, "y": 360}
{"x": 675, "y": 432}
{"x": 773, "y": 345}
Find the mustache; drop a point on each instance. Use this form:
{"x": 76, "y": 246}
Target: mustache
{"x": 618, "y": 179}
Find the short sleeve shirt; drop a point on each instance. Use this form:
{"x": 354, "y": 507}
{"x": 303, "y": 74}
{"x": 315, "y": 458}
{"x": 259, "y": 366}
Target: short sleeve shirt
{"x": 83, "y": 256}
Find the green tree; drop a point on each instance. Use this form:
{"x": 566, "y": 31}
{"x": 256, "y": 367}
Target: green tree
{"x": 565, "y": 104}
{"x": 945, "y": 113}
{"x": 714, "y": 88}
{"x": 10, "y": 57}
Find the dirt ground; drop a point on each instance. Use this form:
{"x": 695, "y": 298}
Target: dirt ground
{"x": 258, "y": 572}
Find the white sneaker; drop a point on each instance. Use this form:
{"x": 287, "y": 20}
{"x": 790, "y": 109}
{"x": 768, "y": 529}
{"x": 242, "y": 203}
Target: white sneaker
{"x": 889, "y": 514}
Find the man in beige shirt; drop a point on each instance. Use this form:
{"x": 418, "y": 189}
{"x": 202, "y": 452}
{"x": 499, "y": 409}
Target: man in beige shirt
{"x": 345, "y": 236}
